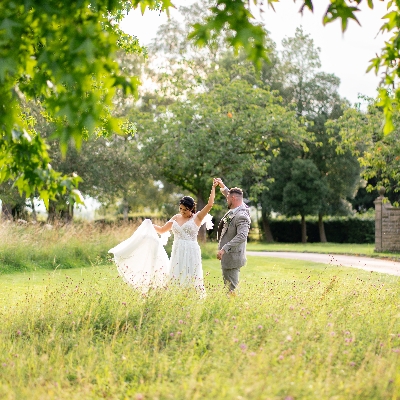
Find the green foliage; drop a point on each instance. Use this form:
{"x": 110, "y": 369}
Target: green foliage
{"x": 85, "y": 334}
{"x": 64, "y": 55}
{"x": 360, "y": 132}
{"x": 61, "y": 54}
{"x": 212, "y": 134}
{"x": 337, "y": 230}
{"x": 305, "y": 191}
{"x": 236, "y": 17}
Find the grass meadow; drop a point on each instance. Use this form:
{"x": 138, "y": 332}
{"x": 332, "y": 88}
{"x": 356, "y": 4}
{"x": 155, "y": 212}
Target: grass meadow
{"x": 297, "y": 330}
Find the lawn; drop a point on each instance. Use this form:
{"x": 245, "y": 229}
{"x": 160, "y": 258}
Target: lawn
{"x": 298, "y": 330}
{"x": 366, "y": 249}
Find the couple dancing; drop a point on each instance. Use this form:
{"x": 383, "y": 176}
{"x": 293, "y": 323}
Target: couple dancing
{"x": 143, "y": 262}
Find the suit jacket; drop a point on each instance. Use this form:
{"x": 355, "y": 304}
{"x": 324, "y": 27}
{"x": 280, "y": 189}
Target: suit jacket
{"x": 233, "y": 238}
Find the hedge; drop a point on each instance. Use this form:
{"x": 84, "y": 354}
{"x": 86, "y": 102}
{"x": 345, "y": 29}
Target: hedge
{"x": 349, "y": 230}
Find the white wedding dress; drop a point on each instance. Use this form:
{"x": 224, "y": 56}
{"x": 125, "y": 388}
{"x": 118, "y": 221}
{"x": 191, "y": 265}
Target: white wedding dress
{"x": 143, "y": 262}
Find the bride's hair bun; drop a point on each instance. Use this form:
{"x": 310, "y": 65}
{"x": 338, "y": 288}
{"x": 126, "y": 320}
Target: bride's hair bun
{"x": 189, "y": 203}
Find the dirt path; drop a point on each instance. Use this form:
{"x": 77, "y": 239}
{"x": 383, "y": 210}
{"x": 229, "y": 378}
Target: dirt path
{"x": 366, "y": 263}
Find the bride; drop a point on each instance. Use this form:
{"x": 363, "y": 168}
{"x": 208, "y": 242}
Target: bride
{"x": 142, "y": 260}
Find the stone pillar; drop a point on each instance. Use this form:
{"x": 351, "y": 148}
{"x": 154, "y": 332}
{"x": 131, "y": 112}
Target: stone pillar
{"x": 378, "y": 220}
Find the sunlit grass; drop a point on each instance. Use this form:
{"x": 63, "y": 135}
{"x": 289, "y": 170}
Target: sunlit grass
{"x": 297, "y": 330}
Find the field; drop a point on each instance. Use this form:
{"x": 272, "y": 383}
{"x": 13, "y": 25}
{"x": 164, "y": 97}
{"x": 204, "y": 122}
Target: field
{"x": 296, "y": 330}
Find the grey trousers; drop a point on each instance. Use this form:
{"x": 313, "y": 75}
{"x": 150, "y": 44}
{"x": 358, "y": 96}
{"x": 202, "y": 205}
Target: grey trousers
{"x": 231, "y": 278}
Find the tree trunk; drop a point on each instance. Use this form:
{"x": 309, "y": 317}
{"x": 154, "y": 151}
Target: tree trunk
{"x": 202, "y": 235}
{"x": 267, "y": 230}
{"x": 265, "y": 215}
{"x": 321, "y": 227}
{"x": 34, "y": 215}
{"x": 303, "y": 230}
{"x": 125, "y": 210}
{"x": 6, "y": 211}
{"x": 52, "y": 212}
{"x": 67, "y": 213}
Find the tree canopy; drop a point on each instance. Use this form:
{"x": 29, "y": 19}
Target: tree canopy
{"x": 63, "y": 55}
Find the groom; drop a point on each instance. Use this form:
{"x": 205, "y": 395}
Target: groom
{"x": 233, "y": 230}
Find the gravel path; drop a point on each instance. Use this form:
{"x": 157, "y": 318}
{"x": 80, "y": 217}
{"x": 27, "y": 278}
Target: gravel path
{"x": 366, "y": 263}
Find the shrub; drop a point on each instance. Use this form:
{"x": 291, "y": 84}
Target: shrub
{"x": 339, "y": 230}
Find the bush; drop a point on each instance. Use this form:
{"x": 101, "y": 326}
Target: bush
{"x": 340, "y": 230}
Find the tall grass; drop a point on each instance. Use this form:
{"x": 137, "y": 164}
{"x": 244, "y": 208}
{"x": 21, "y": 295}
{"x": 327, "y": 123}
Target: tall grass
{"x": 33, "y": 247}
{"x": 297, "y": 330}
{"x": 24, "y": 248}
{"x": 308, "y": 334}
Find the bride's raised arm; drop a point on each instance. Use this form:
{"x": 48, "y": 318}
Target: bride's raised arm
{"x": 204, "y": 211}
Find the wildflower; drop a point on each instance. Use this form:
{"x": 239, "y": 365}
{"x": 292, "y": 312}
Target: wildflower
{"x": 234, "y": 326}
{"x": 288, "y": 338}
{"x": 352, "y": 363}
{"x": 19, "y": 333}
{"x": 259, "y": 326}
{"x": 332, "y": 333}
{"x": 180, "y": 321}
{"x": 123, "y": 303}
{"x": 178, "y": 333}
{"x": 252, "y": 354}
{"x": 280, "y": 357}
{"x": 216, "y": 320}
{"x": 396, "y": 350}
{"x": 235, "y": 340}
{"x": 139, "y": 396}
{"x": 171, "y": 334}
{"x": 243, "y": 346}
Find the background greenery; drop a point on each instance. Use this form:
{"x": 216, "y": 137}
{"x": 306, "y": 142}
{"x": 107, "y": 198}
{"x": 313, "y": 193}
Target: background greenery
{"x": 299, "y": 148}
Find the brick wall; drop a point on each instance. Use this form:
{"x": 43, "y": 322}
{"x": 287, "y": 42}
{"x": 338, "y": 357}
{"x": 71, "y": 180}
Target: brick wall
{"x": 387, "y": 225}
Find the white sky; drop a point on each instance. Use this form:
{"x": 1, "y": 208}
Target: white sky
{"x": 346, "y": 55}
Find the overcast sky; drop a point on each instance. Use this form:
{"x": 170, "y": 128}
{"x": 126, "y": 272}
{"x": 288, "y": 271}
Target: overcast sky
{"x": 346, "y": 55}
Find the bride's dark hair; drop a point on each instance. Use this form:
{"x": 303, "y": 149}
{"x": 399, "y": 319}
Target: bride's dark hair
{"x": 189, "y": 203}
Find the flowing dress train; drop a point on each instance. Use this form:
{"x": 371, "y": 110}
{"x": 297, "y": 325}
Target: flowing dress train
{"x": 142, "y": 260}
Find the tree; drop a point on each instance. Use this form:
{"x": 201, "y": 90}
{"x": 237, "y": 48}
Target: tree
{"x": 304, "y": 193}
{"x": 225, "y": 131}
{"x": 360, "y": 132}
{"x": 316, "y": 97}
{"x": 314, "y": 94}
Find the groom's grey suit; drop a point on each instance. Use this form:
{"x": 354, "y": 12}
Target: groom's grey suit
{"x": 232, "y": 238}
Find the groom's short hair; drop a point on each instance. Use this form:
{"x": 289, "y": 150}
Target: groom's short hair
{"x": 237, "y": 191}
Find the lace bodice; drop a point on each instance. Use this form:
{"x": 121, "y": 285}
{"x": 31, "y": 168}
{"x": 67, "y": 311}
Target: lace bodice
{"x": 188, "y": 231}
